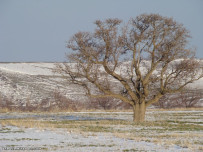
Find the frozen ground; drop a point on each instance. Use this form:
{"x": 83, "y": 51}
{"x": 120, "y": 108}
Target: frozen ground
{"x": 62, "y": 140}
{"x": 170, "y": 131}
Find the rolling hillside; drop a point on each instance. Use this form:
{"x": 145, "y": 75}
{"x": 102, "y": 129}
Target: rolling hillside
{"x": 34, "y": 82}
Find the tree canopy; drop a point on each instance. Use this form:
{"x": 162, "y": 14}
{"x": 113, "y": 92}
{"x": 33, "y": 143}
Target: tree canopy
{"x": 137, "y": 62}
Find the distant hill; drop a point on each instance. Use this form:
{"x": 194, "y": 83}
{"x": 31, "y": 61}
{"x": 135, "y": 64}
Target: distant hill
{"x": 34, "y": 82}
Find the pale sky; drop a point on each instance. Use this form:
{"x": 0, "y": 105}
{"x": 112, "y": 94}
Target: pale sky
{"x": 37, "y": 30}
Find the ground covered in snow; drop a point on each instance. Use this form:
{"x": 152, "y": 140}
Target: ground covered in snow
{"x": 102, "y": 131}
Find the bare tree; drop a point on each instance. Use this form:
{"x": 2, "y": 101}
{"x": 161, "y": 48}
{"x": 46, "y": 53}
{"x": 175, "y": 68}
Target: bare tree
{"x": 183, "y": 99}
{"x": 190, "y": 98}
{"x": 138, "y": 62}
{"x": 107, "y": 103}
{"x": 6, "y": 103}
{"x": 62, "y": 102}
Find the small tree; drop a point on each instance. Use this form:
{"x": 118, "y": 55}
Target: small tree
{"x": 137, "y": 63}
{"x": 107, "y": 104}
{"x": 190, "y": 98}
{"x": 183, "y": 99}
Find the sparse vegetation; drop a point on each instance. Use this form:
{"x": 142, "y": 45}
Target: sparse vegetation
{"x": 184, "y": 99}
{"x": 172, "y": 128}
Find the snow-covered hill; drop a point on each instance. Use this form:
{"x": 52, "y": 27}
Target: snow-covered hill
{"x": 33, "y": 82}
{"x": 28, "y": 68}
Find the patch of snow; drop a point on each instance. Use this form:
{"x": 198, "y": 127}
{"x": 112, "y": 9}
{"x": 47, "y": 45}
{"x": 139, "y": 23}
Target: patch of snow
{"x": 61, "y": 140}
{"x": 28, "y": 68}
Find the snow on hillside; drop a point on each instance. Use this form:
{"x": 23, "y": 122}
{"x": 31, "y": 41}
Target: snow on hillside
{"x": 28, "y": 68}
{"x": 33, "y": 82}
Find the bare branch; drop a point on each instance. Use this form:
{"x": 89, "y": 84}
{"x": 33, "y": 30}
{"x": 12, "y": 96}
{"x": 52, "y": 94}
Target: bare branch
{"x": 158, "y": 60}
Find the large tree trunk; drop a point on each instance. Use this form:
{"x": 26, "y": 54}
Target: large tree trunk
{"x": 139, "y": 112}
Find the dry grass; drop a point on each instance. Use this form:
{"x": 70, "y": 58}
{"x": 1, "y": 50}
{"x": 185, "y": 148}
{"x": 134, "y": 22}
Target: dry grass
{"x": 7, "y": 110}
{"x": 56, "y": 110}
{"x": 168, "y": 131}
{"x": 178, "y": 109}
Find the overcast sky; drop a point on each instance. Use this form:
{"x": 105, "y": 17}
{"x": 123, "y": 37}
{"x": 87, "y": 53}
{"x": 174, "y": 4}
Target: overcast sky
{"x": 37, "y": 30}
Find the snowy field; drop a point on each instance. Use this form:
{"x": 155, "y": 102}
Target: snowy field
{"x": 170, "y": 131}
